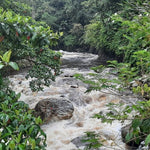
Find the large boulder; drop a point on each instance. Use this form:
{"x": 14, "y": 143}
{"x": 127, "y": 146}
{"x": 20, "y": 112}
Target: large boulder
{"x": 54, "y": 109}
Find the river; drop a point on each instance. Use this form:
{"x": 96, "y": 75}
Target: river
{"x": 62, "y": 133}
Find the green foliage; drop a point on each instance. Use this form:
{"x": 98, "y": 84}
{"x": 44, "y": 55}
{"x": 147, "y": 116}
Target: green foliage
{"x": 121, "y": 32}
{"x": 137, "y": 36}
{"x": 142, "y": 89}
{"x": 140, "y": 120}
{"x": 62, "y": 15}
{"x": 19, "y": 129}
{"x": 98, "y": 69}
{"x": 17, "y": 6}
{"x": 142, "y": 61}
{"x": 103, "y": 33}
{"x": 69, "y": 40}
{"x": 95, "y": 81}
{"x": 92, "y": 140}
{"x": 92, "y": 34}
{"x": 6, "y": 61}
{"x": 126, "y": 73}
{"x": 137, "y": 114}
{"x": 147, "y": 140}
{"x": 107, "y": 33}
{"x": 32, "y": 41}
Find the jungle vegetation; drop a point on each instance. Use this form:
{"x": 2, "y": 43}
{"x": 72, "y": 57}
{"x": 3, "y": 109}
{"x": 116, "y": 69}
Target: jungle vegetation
{"x": 31, "y": 29}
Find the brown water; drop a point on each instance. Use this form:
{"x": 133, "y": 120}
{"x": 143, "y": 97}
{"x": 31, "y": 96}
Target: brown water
{"x": 60, "y": 133}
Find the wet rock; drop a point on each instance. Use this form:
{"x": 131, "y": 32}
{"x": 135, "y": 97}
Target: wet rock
{"x": 133, "y": 84}
{"x": 102, "y": 97}
{"x": 79, "y": 124}
{"x": 67, "y": 75}
{"x": 78, "y": 142}
{"x": 74, "y": 86}
{"x": 62, "y": 95}
{"x": 49, "y": 109}
{"x": 20, "y": 82}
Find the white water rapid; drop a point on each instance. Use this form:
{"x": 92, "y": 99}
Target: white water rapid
{"x": 60, "y": 133}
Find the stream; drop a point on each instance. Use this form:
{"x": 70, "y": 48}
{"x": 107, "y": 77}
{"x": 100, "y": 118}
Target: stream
{"x": 64, "y": 134}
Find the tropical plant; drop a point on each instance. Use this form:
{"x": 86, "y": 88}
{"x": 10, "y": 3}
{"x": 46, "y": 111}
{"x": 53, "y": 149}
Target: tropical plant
{"x": 19, "y": 129}
{"x": 30, "y": 40}
{"x": 5, "y": 61}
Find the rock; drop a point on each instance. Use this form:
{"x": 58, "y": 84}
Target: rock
{"x": 102, "y": 97}
{"x": 133, "y": 84}
{"x": 49, "y": 109}
{"x": 62, "y": 95}
{"x": 74, "y": 86}
{"x": 78, "y": 142}
{"x": 79, "y": 124}
{"x": 68, "y": 75}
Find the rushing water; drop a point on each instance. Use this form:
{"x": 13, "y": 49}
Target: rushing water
{"x": 60, "y": 133}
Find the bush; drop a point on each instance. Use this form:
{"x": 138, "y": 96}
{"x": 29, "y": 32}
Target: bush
{"x": 30, "y": 40}
{"x": 19, "y": 129}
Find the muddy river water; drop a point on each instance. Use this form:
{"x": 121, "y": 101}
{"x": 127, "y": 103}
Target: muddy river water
{"x": 61, "y": 133}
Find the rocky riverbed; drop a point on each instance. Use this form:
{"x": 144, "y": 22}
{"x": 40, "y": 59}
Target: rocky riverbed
{"x": 68, "y": 110}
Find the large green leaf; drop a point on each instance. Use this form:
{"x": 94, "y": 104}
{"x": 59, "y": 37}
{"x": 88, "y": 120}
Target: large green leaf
{"x": 147, "y": 140}
{"x": 6, "y": 56}
{"x": 14, "y": 65}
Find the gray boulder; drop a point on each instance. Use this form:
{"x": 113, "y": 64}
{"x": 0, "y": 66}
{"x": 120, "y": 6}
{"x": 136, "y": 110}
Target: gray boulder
{"x": 54, "y": 109}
